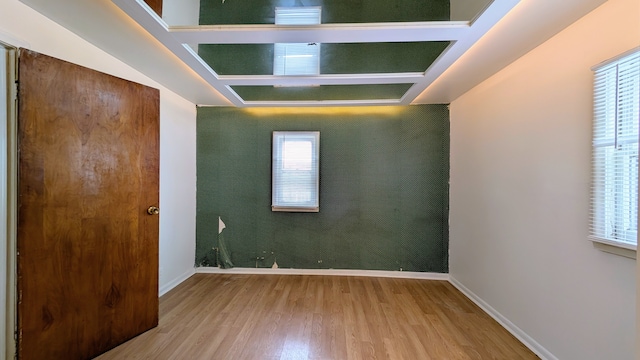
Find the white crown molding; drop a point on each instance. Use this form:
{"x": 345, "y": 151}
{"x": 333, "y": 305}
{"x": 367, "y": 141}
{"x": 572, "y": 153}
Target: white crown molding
{"x": 324, "y": 33}
{"x": 328, "y": 79}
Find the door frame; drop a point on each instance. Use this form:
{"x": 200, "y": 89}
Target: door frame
{"x": 8, "y": 200}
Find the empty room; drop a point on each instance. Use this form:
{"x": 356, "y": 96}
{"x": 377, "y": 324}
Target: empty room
{"x": 319, "y": 179}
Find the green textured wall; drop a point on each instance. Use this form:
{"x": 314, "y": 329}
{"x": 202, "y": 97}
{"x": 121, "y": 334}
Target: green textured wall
{"x": 384, "y": 175}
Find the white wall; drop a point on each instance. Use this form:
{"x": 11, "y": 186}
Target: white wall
{"x": 520, "y": 165}
{"x": 177, "y": 191}
{"x": 20, "y": 25}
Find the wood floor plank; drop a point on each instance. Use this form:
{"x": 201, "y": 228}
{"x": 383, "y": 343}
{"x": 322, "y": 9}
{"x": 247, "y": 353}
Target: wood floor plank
{"x": 269, "y": 317}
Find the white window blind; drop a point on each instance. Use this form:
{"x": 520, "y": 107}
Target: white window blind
{"x": 292, "y": 59}
{"x": 295, "y": 171}
{"x": 614, "y": 199}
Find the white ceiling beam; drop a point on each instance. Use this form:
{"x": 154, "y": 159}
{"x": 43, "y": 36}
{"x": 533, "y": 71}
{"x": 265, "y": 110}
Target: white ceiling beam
{"x": 321, "y": 103}
{"x": 142, "y": 13}
{"x": 324, "y": 33}
{"x": 338, "y": 79}
{"x": 482, "y": 24}
{"x": 461, "y": 34}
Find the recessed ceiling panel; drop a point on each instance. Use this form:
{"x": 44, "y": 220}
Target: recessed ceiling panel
{"x": 354, "y": 58}
{"x": 229, "y": 12}
{"x": 262, "y": 12}
{"x": 322, "y": 93}
{"x": 368, "y": 51}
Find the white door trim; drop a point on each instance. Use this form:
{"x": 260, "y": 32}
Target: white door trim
{"x": 8, "y": 201}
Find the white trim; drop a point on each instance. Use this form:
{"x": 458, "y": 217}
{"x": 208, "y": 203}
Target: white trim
{"x": 323, "y": 79}
{"x": 527, "y": 340}
{"x": 615, "y": 249}
{"x": 615, "y": 58}
{"x": 461, "y": 34}
{"x": 319, "y": 103}
{"x": 481, "y": 25}
{"x": 142, "y": 13}
{"x": 326, "y": 272}
{"x": 620, "y": 244}
{"x": 323, "y": 33}
{"x": 6, "y": 101}
{"x": 12, "y": 204}
{"x": 12, "y": 41}
{"x": 175, "y": 282}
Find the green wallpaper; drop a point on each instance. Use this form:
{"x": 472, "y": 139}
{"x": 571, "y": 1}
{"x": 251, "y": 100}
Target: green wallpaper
{"x": 383, "y": 189}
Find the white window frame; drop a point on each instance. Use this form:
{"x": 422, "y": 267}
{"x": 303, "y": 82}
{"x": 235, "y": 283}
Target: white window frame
{"x": 284, "y": 182}
{"x": 614, "y": 192}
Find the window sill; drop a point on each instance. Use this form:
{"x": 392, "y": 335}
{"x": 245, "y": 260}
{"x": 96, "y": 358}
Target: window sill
{"x": 294, "y": 209}
{"x": 613, "y": 247}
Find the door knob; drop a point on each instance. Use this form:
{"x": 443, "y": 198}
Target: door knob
{"x": 152, "y": 210}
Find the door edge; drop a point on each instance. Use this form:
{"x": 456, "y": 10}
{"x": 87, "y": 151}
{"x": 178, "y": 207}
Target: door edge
{"x": 9, "y": 207}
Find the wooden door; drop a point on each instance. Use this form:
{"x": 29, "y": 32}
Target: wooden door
{"x": 88, "y": 171}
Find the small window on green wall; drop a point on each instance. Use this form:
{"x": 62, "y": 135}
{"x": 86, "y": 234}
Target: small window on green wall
{"x": 295, "y": 171}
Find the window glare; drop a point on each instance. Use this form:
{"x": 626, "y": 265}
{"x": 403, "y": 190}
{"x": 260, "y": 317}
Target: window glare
{"x": 614, "y": 199}
{"x": 297, "y": 155}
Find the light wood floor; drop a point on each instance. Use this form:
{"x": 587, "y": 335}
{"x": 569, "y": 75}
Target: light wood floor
{"x": 266, "y": 317}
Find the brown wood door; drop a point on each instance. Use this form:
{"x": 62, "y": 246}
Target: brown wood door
{"x": 87, "y": 172}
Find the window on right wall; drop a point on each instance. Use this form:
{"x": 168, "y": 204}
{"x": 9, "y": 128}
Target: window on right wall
{"x": 614, "y": 193}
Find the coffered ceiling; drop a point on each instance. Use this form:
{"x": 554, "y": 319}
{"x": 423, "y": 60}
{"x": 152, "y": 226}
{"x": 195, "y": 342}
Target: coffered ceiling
{"x": 371, "y": 52}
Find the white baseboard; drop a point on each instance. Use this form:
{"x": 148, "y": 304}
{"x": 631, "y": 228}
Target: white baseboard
{"x": 175, "y": 282}
{"x": 527, "y": 340}
{"x": 333, "y": 272}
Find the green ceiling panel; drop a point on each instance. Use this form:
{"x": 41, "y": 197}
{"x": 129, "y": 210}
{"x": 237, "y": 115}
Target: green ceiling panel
{"x": 356, "y": 58}
{"x": 238, "y": 59}
{"x": 217, "y": 12}
{"x": 365, "y": 58}
{"x": 322, "y": 93}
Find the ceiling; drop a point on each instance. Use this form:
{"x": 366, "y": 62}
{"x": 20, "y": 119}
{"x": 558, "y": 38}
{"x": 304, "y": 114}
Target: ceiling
{"x": 221, "y": 52}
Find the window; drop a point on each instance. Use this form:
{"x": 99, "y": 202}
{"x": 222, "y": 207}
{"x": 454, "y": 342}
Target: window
{"x": 292, "y": 59}
{"x": 614, "y": 199}
{"x": 295, "y": 171}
